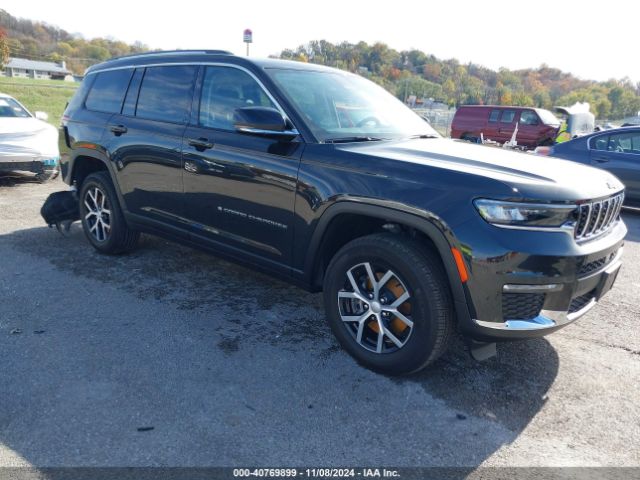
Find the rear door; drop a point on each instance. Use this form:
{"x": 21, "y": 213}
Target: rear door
{"x": 239, "y": 188}
{"x": 507, "y": 124}
{"x": 145, "y": 141}
{"x": 619, "y": 153}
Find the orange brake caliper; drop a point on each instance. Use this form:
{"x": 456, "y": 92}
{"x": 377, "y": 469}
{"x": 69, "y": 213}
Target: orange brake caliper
{"x": 397, "y": 325}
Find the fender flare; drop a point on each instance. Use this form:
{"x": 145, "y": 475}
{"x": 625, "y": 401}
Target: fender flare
{"x": 421, "y": 220}
{"x": 102, "y": 158}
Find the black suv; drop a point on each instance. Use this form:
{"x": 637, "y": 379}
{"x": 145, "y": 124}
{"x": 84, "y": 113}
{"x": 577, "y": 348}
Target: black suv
{"x": 324, "y": 179}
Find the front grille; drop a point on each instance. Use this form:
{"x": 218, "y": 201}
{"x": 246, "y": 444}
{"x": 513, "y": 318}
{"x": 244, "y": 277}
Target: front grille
{"x": 521, "y": 306}
{"x": 580, "y": 302}
{"x": 596, "y": 265}
{"x": 596, "y": 217}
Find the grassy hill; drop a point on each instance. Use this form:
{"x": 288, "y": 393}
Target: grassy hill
{"x": 49, "y": 96}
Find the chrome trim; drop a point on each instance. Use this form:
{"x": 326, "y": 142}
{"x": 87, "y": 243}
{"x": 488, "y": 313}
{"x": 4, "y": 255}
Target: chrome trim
{"x": 577, "y": 314}
{"x": 547, "y": 319}
{"x": 597, "y": 224}
{"x": 566, "y": 228}
{"x": 516, "y": 287}
{"x": 567, "y": 206}
{"x": 258, "y": 131}
{"x": 165, "y": 53}
{"x": 603, "y": 222}
{"x": 586, "y": 224}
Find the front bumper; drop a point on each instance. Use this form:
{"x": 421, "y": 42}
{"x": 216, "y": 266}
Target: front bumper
{"x": 584, "y": 295}
{"x": 29, "y": 165}
{"x": 528, "y": 284}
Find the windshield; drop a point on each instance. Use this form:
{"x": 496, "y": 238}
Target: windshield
{"x": 547, "y": 117}
{"x": 10, "y": 108}
{"x": 345, "y": 106}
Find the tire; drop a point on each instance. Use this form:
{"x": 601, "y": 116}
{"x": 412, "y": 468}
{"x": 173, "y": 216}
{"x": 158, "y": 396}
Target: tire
{"x": 415, "y": 271}
{"x": 98, "y": 200}
{"x": 471, "y": 138}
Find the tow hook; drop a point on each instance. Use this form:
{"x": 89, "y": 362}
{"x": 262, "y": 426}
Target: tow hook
{"x": 481, "y": 351}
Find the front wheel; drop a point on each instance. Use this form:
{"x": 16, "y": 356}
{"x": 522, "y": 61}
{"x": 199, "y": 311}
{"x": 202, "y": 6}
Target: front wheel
{"x": 388, "y": 303}
{"x": 102, "y": 219}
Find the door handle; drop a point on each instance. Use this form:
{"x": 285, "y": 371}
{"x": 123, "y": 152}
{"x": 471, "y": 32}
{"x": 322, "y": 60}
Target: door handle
{"x": 118, "y": 129}
{"x": 601, "y": 159}
{"x": 200, "y": 144}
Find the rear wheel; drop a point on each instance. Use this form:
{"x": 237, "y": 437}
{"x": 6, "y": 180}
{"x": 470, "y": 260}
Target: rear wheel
{"x": 102, "y": 219}
{"x": 388, "y": 303}
{"x": 471, "y": 138}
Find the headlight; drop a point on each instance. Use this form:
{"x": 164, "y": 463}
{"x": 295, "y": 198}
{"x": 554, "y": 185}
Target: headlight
{"x": 524, "y": 214}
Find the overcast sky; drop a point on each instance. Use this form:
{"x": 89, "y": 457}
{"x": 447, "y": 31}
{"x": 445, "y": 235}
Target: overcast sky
{"x": 591, "y": 40}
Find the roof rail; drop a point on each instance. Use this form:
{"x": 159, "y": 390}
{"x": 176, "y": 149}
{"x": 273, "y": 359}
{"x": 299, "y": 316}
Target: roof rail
{"x": 173, "y": 52}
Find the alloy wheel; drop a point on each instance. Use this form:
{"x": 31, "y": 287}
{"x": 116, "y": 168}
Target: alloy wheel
{"x": 375, "y": 306}
{"x": 98, "y": 215}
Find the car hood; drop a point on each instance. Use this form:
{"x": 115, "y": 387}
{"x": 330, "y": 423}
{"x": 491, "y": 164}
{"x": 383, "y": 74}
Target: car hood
{"x": 27, "y": 136}
{"x": 529, "y": 175}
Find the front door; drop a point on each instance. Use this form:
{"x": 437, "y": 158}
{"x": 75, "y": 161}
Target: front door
{"x": 239, "y": 188}
{"x": 529, "y": 129}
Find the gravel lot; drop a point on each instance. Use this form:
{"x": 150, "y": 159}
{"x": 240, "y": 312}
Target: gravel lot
{"x": 170, "y": 357}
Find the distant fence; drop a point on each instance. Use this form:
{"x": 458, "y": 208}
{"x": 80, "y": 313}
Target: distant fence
{"x": 439, "y": 119}
{"x": 72, "y": 86}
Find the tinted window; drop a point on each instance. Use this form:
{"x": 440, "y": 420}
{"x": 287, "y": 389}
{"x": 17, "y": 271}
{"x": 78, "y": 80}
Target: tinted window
{"x": 625, "y": 143}
{"x": 507, "y": 116}
{"x": 108, "y": 91}
{"x": 600, "y": 142}
{"x": 494, "y": 115}
{"x": 527, "y": 117}
{"x": 165, "y": 93}
{"x": 223, "y": 90}
{"x": 130, "y": 100}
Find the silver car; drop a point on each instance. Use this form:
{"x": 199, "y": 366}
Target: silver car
{"x": 27, "y": 142}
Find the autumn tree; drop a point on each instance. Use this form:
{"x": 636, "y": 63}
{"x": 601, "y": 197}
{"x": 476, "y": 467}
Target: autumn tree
{"x": 4, "y": 48}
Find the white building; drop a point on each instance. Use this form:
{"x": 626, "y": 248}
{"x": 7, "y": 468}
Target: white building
{"x": 21, "y": 67}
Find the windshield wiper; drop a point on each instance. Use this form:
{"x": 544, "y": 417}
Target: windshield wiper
{"x": 425, "y": 135}
{"x": 361, "y": 138}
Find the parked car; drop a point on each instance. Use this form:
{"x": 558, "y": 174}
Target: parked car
{"x": 536, "y": 126}
{"x": 410, "y": 236}
{"x": 617, "y": 151}
{"x": 27, "y": 142}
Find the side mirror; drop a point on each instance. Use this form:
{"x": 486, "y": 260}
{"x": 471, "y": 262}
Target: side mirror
{"x": 41, "y": 116}
{"x": 263, "y": 121}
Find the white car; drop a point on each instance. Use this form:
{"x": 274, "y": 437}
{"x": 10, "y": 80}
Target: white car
{"x": 27, "y": 142}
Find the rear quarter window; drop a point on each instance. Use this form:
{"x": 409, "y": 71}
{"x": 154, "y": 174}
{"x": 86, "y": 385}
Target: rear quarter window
{"x": 81, "y": 93}
{"x": 600, "y": 142}
{"x": 493, "y": 117}
{"x": 107, "y": 92}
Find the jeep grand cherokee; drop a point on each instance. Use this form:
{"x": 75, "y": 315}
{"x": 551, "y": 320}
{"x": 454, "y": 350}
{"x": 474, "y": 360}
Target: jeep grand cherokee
{"x": 324, "y": 179}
